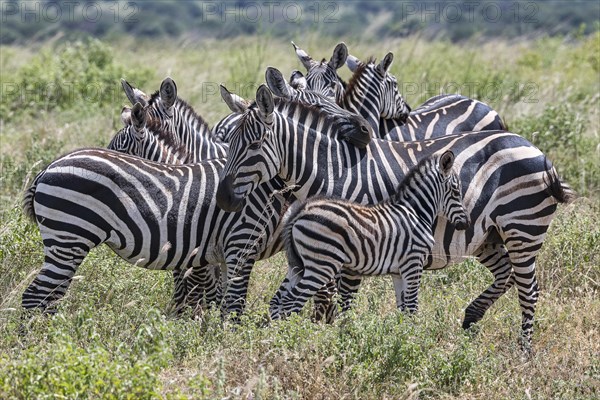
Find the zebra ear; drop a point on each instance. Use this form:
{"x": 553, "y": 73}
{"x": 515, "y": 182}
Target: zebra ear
{"x": 264, "y": 101}
{"x": 304, "y": 58}
{"x": 340, "y": 54}
{"x": 277, "y": 83}
{"x": 446, "y": 162}
{"x": 385, "y": 64}
{"x": 134, "y": 95}
{"x": 298, "y": 80}
{"x": 138, "y": 117}
{"x": 235, "y": 103}
{"x": 352, "y": 62}
{"x": 168, "y": 92}
{"x": 126, "y": 115}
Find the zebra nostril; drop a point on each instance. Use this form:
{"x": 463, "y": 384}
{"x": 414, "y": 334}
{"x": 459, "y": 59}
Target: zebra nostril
{"x": 462, "y": 224}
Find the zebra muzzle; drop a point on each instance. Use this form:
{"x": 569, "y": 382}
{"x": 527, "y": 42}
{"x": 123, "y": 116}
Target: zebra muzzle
{"x": 462, "y": 224}
{"x": 227, "y": 199}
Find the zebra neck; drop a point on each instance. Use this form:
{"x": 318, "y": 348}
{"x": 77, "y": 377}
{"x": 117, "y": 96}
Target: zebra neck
{"x": 198, "y": 140}
{"x": 422, "y": 196}
{"x": 362, "y": 102}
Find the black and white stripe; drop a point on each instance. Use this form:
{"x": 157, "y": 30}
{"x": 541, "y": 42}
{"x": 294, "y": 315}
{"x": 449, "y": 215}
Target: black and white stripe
{"x": 510, "y": 189}
{"x": 179, "y": 123}
{"x": 154, "y": 215}
{"x": 322, "y": 77}
{"x": 373, "y": 92}
{"x": 249, "y": 228}
{"x": 324, "y": 235}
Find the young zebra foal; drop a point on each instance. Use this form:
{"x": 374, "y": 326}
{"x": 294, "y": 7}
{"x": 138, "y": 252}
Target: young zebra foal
{"x": 324, "y": 235}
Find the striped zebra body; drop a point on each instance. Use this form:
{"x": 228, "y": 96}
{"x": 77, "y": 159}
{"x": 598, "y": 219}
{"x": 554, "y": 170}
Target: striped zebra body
{"x": 509, "y": 188}
{"x": 148, "y": 213}
{"x": 324, "y": 235}
{"x": 153, "y": 215}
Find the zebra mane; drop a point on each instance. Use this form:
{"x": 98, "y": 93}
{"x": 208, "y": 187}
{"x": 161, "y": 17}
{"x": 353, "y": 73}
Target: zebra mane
{"x": 291, "y": 103}
{"x": 184, "y": 108}
{"x": 350, "y": 87}
{"x": 166, "y": 138}
{"x": 422, "y": 168}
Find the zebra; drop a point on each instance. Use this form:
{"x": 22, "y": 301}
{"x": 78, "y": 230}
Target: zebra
{"x": 373, "y": 96}
{"x": 322, "y": 235}
{"x": 323, "y": 77}
{"x": 182, "y": 137}
{"x": 153, "y": 215}
{"x": 240, "y": 266}
{"x": 510, "y": 189}
{"x": 181, "y": 122}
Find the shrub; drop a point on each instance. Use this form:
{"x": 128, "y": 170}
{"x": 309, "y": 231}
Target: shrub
{"x": 560, "y": 132}
{"x": 79, "y": 74}
{"x": 63, "y": 368}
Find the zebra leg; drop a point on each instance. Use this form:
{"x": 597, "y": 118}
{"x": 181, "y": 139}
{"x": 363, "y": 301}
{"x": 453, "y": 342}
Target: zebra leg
{"x": 325, "y": 308}
{"x": 275, "y": 303}
{"x": 495, "y": 258}
{"x": 179, "y": 293}
{"x": 292, "y": 277}
{"x": 212, "y": 288}
{"x": 313, "y": 279}
{"x": 412, "y": 276}
{"x": 238, "y": 277}
{"x": 53, "y": 280}
{"x": 196, "y": 284}
{"x": 348, "y": 283}
{"x": 399, "y": 290}
{"x": 522, "y": 256}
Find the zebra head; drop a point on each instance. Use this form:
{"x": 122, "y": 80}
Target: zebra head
{"x": 145, "y": 137}
{"x": 452, "y": 205}
{"x": 128, "y": 139}
{"x": 246, "y": 143}
{"x": 322, "y": 76}
{"x": 159, "y": 107}
{"x": 255, "y": 143}
{"x": 238, "y": 105}
{"x": 298, "y": 80}
{"x": 358, "y": 137}
{"x": 372, "y": 83}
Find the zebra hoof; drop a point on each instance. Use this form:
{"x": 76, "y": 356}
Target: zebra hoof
{"x": 470, "y": 324}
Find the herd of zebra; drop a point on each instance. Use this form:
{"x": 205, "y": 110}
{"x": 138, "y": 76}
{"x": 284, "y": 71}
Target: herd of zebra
{"x": 369, "y": 186}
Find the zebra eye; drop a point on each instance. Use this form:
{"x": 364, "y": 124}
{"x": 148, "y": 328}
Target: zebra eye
{"x": 255, "y": 145}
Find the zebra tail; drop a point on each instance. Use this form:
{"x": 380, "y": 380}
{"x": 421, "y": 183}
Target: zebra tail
{"x": 560, "y": 190}
{"x": 503, "y": 123}
{"x": 28, "y": 197}
{"x": 290, "y": 218}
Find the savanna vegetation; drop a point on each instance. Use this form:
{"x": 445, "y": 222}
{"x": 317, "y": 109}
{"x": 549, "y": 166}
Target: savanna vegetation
{"x": 112, "y": 336}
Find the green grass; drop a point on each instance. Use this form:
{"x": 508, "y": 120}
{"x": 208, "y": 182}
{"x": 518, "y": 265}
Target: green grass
{"x": 112, "y": 339}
